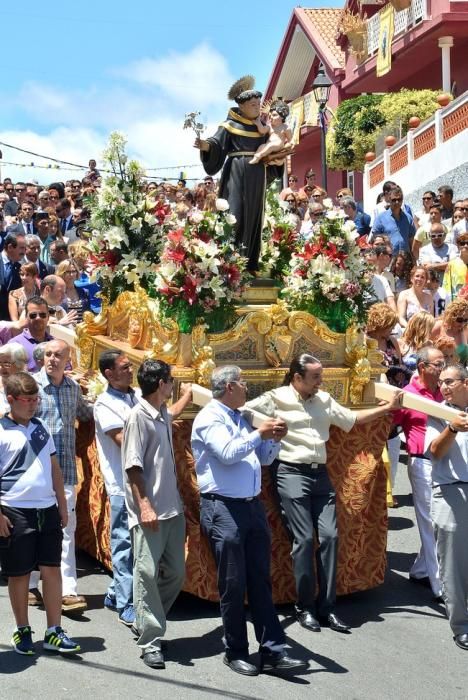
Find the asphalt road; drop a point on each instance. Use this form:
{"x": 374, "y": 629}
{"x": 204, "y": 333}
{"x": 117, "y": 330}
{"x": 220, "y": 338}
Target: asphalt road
{"x": 400, "y": 647}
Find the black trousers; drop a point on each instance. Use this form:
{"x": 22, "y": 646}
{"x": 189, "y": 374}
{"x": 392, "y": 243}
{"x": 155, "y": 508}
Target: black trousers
{"x": 307, "y": 500}
{"x": 240, "y": 540}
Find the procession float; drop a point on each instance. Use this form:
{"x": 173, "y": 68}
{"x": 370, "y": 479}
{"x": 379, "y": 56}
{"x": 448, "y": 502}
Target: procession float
{"x": 184, "y": 291}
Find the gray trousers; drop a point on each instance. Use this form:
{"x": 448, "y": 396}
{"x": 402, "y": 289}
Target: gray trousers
{"x": 158, "y": 575}
{"x": 308, "y": 503}
{"x": 450, "y": 516}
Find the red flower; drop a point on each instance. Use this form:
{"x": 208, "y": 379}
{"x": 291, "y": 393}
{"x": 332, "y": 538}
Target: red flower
{"x": 176, "y": 236}
{"x": 176, "y": 254}
{"x": 189, "y": 289}
{"x": 232, "y": 274}
{"x": 202, "y": 236}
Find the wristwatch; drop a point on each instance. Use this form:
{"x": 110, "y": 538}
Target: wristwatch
{"x": 451, "y": 428}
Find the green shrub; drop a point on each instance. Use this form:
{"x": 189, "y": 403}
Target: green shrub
{"x": 359, "y": 121}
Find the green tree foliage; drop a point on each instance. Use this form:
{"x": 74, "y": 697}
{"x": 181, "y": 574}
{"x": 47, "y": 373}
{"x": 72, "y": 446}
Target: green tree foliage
{"x": 359, "y": 121}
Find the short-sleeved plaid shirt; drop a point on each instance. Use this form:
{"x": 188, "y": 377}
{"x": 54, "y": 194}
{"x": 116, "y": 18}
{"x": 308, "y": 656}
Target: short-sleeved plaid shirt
{"x": 59, "y": 408}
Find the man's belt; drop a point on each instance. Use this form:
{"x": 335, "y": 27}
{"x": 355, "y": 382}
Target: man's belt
{"x": 234, "y": 154}
{"x": 301, "y": 465}
{"x": 227, "y": 499}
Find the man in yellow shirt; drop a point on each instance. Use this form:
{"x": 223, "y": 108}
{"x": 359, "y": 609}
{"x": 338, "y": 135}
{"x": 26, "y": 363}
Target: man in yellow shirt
{"x": 306, "y": 493}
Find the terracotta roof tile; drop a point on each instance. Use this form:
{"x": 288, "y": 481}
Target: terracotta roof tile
{"x": 325, "y": 22}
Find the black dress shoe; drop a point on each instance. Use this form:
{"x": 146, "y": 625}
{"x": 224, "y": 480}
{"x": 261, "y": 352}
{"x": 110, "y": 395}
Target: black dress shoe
{"x": 153, "y": 657}
{"x": 461, "y": 640}
{"x": 334, "y": 623}
{"x": 277, "y": 662}
{"x": 307, "y": 620}
{"x": 242, "y": 666}
{"x": 423, "y": 581}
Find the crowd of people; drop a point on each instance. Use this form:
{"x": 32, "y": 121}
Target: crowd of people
{"x": 419, "y": 323}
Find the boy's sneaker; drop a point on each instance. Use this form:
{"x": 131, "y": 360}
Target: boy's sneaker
{"x": 127, "y": 616}
{"x": 110, "y": 602}
{"x": 58, "y": 641}
{"x": 22, "y": 641}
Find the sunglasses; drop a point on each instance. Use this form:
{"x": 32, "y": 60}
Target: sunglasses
{"x": 463, "y": 245}
{"x": 396, "y": 199}
{"x": 460, "y": 319}
{"x": 427, "y": 199}
{"x": 437, "y": 235}
{"x": 41, "y": 314}
{"x": 30, "y": 400}
{"x": 19, "y": 189}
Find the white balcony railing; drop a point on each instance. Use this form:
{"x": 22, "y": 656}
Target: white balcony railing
{"x": 403, "y": 20}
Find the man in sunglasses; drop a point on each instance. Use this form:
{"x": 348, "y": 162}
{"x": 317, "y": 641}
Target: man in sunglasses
{"x": 37, "y": 315}
{"x": 438, "y": 253}
{"x": 447, "y": 445}
{"x": 462, "y": 225}
{"x": 396, "y": 223}
{"x": 425, "y": 383}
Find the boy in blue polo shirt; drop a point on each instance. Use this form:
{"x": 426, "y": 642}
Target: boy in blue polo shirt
{"x": 33, "y": 511}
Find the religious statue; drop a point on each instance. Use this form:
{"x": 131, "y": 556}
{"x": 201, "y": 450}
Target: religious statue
{"x": 279, "y": 133}
{"x": 242, "y": 184}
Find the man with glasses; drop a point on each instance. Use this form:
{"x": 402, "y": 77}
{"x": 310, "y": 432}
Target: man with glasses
{"x": 155, "y": 509}
{"x": 396, "y": 223}
{"x": 315, "y": 213}
{"x": 447, "y": 445}
{"x": 228, "y": 454}
{"x": 361, "y": 220}
{"x": 37, "y": 316}
{"x": 12, "y": 206}
{"x": 437, "y": 254}
{"x": 421, "y": 237}
{"x": 462, "y": 225}
{"x": 429, "y": 362}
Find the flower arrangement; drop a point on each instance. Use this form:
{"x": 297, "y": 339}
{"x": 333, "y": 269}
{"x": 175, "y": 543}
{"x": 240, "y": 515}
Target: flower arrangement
{"x": 201, "y": 276}
{"x": 328, "y": 277}
{"x": 279, "y": 237}
{"x": 127, "y": 233}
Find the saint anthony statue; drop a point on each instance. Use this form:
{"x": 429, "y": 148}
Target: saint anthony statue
{"x": 242, "y": 184}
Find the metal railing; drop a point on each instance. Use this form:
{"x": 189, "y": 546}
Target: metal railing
{"x": 403, "y": 20}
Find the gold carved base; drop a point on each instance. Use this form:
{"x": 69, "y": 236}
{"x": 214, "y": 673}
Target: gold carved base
{"x": 262, "y": 342}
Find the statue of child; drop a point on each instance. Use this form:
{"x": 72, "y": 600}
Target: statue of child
{"x": 280, "y": 133}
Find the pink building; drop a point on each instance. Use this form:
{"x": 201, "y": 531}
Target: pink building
{"x": 429, "y": 50}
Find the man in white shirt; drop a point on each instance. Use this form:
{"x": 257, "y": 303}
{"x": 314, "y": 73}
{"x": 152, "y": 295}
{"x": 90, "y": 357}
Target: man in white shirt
{"x": 437, "y": 254}
{"x": 111, "y": 410}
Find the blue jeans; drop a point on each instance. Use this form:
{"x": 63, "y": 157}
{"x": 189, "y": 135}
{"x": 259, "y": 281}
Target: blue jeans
{"x": 122, "y": 557}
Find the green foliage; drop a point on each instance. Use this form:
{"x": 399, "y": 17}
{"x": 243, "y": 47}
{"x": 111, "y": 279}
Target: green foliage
{"x": 359, "y": 121}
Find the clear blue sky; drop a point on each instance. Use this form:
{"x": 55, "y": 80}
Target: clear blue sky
{"x": 74, "y": 72}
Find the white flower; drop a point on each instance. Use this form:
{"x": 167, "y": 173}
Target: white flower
{"x": 222, "y": 204}
{"x": 331, "y": 214}
{"x": 132, "y": 276}
{"x": 219, "y": 228}
{"x": 230, "y": 219}
{"x": 150, "y": 219}
{"x": 196, "y": 216}
{"x": 136, "y": 224}
{"x": 327, "y": 203}
{"x": 115, "y": 236}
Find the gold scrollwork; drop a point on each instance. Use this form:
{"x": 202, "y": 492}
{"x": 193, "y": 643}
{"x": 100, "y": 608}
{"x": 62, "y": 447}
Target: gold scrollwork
{"x": 356, "y": 359}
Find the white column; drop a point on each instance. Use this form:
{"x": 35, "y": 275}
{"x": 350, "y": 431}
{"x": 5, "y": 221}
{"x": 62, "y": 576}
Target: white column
{"x": 445, "y": 44}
